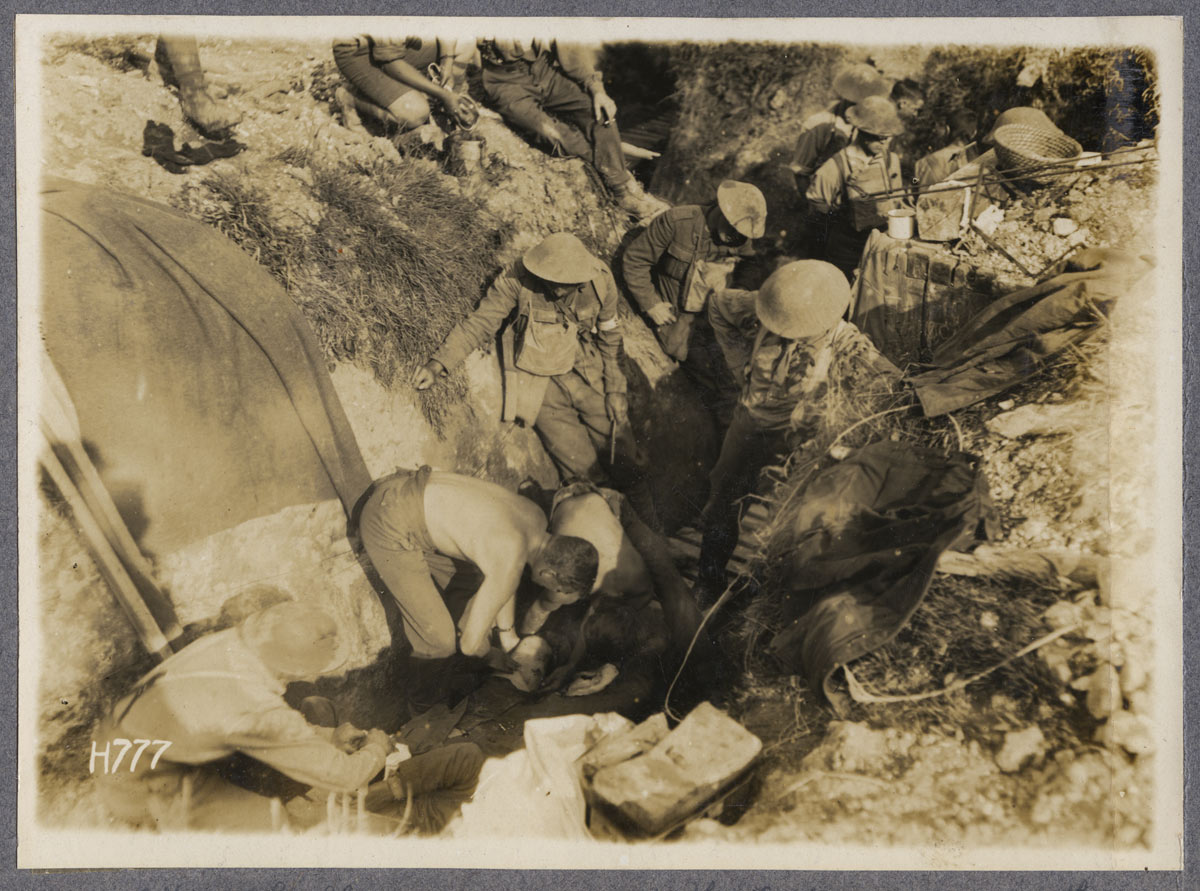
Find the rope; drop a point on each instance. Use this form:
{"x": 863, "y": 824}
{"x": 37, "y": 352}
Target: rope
{"x": 720, "y": 602}
{"x": 860, "y": 693}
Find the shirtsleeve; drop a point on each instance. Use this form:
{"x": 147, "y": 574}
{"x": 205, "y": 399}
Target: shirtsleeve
{"x": 481, "y": 325}
{"x": 608, "y": 336}
{"x": 282, "y": 738}
{"x": 643, "y": 252}
{"x": 579, "y": 63}
{"x": 814, "y": 142}
{"x": 825, "y": 191}
{"x": 734, "y": 323}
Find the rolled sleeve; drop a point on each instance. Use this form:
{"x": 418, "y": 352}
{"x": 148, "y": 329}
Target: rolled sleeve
{"x": 824, "y": 193}
{"x": 813, "y": 142}
{"x": 579, "y": 63}
{"x": 284, "y": 740}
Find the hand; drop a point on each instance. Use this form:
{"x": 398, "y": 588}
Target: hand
{"x": 424, "y": 376}
{"x": 616, "y": 406}
{"x": 349, "y": 738}
{"x": 462, "y": 109}
{"x": 661, "y": 313}
{"x": 380, "y": 739}
{"x": 605, "y": 108}
{"x": 629, "y": 150}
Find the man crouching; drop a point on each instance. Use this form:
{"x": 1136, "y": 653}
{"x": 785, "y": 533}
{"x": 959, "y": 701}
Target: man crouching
{"x": 416, "y": 523}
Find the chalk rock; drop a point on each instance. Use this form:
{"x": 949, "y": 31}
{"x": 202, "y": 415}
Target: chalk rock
{"x": 1064, "y": 226}
{"x": 1046, "y": 419}
{"x": 1129, "y": 731}
{"x": 691, "y": 765}
{"x": 1104, "y": 692}
{"x": 1020, "y": 747}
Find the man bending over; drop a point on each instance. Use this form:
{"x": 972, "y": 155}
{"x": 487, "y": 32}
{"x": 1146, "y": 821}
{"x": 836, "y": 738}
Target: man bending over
{"x": 416, "y": 522}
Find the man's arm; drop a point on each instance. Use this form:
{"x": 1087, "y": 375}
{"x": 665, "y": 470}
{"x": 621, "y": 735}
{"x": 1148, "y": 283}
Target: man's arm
{"x": 390, "y": 56}
{"x": 824, "y": 193}
{"x": 282, "y": 738}
{"x": 640, "y": 256}
{"x": 501, "y": 568}
{"x": 608, "y": 337}
{"x": 579, "y": 64}
{"x": 813, "y": 142}
{"x": 481, "y": 325}
{"x": 734, "y": 323}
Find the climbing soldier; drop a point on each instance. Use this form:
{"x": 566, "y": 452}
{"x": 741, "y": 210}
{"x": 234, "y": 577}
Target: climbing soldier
{"x": 788, "y": 346}
{"x": 562, "y": 371}
{"x": 416, "y": 523}
{"x": 672, "y": 266}
{"x": 852, "y": 192}
{"x": 554, "y": 92}
{"x": 827, "y": 132}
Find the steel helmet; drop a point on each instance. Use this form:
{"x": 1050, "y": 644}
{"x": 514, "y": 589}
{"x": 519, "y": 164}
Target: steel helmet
{"x": 877, "y": 116}
{"x": 802, "y": 299}
{"x": 295, "y": 640}
{"x": 855, "y": 83}
{"x": 561, "y": 258}
{"x": 1022, "y": 114}
{"x": 744, "y": 206}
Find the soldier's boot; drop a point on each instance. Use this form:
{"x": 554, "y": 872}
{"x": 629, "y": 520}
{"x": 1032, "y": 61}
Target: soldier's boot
{"x": 634, "y": 200}
{"x": 183, "y": 60}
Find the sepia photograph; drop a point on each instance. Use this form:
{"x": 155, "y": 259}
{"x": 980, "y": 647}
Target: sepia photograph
{"x": 600, "y": 443}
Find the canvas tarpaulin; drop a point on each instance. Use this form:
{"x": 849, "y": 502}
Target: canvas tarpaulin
{"x": 860, "y": 545}
{"x": 201, "y": 393}
{"x": 1012, "y": 338}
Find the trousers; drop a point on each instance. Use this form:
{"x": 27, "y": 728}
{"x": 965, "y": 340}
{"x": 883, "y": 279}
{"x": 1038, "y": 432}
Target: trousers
{"x": 574, "y": 427}
{"x": 745, "y": 451}
{"x": 537, "y": 98}
{"x": 397, "y": 542}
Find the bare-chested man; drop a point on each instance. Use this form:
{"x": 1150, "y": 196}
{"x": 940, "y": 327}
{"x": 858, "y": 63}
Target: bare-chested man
{"x": 416, "y": 520}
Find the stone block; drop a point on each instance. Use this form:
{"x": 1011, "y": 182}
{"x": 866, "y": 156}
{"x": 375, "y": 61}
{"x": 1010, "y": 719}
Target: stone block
{"x": 623, "y": 746}
{"x": 701, "y": 757}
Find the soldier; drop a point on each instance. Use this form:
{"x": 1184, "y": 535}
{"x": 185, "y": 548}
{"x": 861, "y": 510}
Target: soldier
{"x": 389, "y": 80}
{"x": 825, "y": 133}
{"x": 852, "y": 191}
{"x": 784, "y": 343}
{"x": 561, "y": 354}
{"x": 220, "y": 699}
{"x": 554, "y": 92}
{"x": 669, "y": 266}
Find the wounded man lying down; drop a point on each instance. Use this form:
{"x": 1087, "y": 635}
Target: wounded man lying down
{"x": 639, "y": 608}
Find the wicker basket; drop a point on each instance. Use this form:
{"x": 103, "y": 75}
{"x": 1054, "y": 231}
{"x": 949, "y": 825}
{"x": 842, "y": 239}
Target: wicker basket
{"x": 1033, "y": 153}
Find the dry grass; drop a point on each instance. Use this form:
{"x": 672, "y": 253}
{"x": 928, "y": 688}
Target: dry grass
{"x": 951, "y": 636}
{"x": 395, "y": 259}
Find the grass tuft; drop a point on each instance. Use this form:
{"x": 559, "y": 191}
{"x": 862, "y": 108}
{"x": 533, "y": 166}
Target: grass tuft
{"x": 396, "y": 257}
